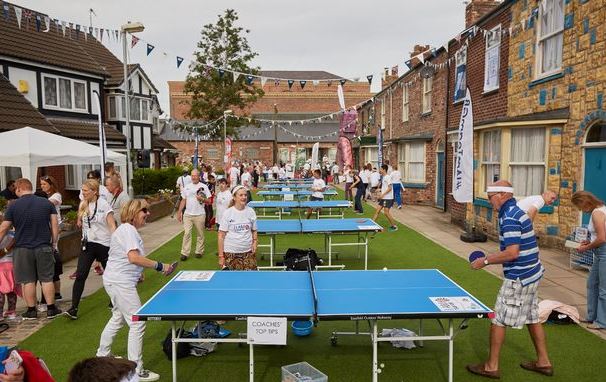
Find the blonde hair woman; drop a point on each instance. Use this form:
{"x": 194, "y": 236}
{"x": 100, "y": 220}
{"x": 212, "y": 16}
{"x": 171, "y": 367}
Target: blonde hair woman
{"x": 596, "y": 282}
{"x": 96, "y": 217}
{"x": 123, "y": 272}
{"x": 237, "y": 239}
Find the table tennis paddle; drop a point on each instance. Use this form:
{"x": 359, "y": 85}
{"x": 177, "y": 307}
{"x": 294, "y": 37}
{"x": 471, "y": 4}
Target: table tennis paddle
{"x": 476, "y": 255}
{"x": 361, "y": 221}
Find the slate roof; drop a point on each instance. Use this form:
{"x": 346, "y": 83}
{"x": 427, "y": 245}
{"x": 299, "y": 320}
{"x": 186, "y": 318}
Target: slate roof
{"x": 17, "y": 112}
{"x": 159, "y": 143}
{"x": 85, "y": 129}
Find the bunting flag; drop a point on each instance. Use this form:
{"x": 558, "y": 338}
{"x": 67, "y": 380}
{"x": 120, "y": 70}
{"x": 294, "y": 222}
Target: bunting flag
{"x": 18, "y": 14}
{"x": 263, "y": 81}
{"x": 133, "y": 42}
{"x": 101, "y": 34}
{"x": 342, "y": 81}
{"x": 77, "y": 32}
{"x": 236, "y": 76}
{"x": 6, "y": 10}
{"x": 276, "y": 82}
{"x": 290, "y": 83}
{"x": 249, "y": 79}
{"x": 38, "y": 23}
{"x": 150, "y": 47}
{"x": 63, "y": 27}
{"x": 329, "y": 82}
{"x": 302, "y": 83}
{"x": 179, "y": 61}
{"x": 221, "y": 73}
{"x": 47, "y": 24}
{"x": 316, "y": 82}
{"x": 369, "y": 79}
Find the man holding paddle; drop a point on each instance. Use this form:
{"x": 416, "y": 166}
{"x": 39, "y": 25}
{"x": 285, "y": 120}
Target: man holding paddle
{"x": 517, "y": 301}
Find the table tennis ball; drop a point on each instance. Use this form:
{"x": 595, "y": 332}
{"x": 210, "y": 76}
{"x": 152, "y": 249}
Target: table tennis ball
{"x": 379, "y": 371}
{"x": 382, "y": 366}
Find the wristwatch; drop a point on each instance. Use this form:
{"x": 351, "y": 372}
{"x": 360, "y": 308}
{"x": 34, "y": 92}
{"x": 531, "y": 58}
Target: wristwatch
{"x": 486, "y": 260}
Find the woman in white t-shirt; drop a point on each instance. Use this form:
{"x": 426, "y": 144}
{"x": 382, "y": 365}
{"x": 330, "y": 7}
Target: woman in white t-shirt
{"x": 223, "y": 198}
{"x": 97, "y": 220}
{"x": 124, "y": 270}
{"x": 237, "y": 239}
{"x": 348, "y": 182}
{"x": 396, "y": 185}
{"x": 596, "y": 282}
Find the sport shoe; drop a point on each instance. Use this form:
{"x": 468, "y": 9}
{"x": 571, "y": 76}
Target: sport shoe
{"x": 30, "y": 315}
{"x": 52, "y": 313}
{"x": 393, "y": 228}
{"x": 183, "y": 258}
{"x": 58, "y": 297}
{"x": 148, "y": 376}
{"x": 10, "y": 315}
{"x": 41, "y": 308}
{"x": 72, "y": 313}
{"x": 198, "y": 255}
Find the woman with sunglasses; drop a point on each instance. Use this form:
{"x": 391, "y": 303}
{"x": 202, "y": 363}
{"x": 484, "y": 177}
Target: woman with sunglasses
{"x": 237, "y": 239}
{"x": 124, "y": 270}
{"x": 49, "y": 186}
{"x": 97, "y": 219}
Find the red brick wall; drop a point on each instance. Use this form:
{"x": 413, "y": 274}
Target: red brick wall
{"x": 486, "y": 107}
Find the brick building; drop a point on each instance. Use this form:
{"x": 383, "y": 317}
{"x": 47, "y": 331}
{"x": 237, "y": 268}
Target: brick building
{"x": 554, "y": 136}
{"x": 280, "y": 102}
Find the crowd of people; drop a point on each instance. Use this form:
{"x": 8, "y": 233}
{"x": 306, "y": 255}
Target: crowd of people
{"x": 110, "y": 223}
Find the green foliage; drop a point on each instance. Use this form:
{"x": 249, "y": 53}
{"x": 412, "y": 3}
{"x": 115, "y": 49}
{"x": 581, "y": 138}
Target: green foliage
{"x": 71, "y": 216}
{"x": 3, "y": 203}
{"x": 222, "y": 45}
{"x": 148, "y": 181}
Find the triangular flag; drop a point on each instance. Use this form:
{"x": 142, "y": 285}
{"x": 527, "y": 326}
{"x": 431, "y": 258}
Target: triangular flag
{"x": 63, "y": 27}
{"x": 38, "y": 21}
{"x": 18, "y": 14}
{"x": 369, "y": 79}
{"x": 342, "y": 82}
{"x": 46, "y": 24}
{"x": 133, "y": 42}
{"x": 101, "y": 33}
{"x": 221, "y": 73}
{"x": 421, "y": 57}
{"x": 6, "y": 10}
{"x": 236, "y": 76}
{"x": 263, "y": 81}
{"x": 316, "y": 82}
{"x": 290, "y": 82}
{"x": 150, "y": 47}
{"x": 302, "y": 83}
{"x": 445, "y": 46}
{"x": 179, "y": 61}
{"x": 77, "y": 32}
{"x": 408, "y": 63}
{"x": 249, "y": 79}
{"x": 276, "y": 82}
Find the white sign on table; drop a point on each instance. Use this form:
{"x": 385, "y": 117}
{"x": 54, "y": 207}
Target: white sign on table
{"x": 456, "y": 304}
{"x": 266, "y": 330}
{"x": 195, "y": 276}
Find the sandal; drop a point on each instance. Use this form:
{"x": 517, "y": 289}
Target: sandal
{"x": 532, "y": 366}
{"x": 480, "y": 369}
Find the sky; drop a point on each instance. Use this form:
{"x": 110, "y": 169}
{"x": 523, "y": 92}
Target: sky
{"x": 349, "y": 38}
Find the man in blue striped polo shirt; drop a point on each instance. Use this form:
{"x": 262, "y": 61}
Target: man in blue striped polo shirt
{"x": 517, "y": 301}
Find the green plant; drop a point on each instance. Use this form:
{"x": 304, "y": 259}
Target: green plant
{"x": 147, "y": 181}
{"x": 3, "y": 203}
{"x": 71, "y": 216}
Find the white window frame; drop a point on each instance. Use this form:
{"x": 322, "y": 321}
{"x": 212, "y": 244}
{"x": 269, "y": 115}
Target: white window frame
{"x": 405, "y": 104}
{"x": 511, "y": 163}
{"x": 109, "y": 107}
{"x": 404, "y": 161}
{"x": 213, "y": 153}
{"x": 427, "y": 92}
{"x": 73, "y": 94}
{"x": 383, "y": 114}
{"x": 80, "y": 171}
{"x": 541, "y": 39}
{"x": 496, "y": 162}
{"x": 493, "y": 46}
{"x": 372, "y": 156}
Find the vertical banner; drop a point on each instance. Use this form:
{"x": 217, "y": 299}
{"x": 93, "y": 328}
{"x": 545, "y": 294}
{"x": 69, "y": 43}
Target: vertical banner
{"x": 227, "y": 157}
{"x": 341, "y": 96}
{"x": 380, "y": 148}
{"x": 315, "y": 150}
{"x": 462, "y": 186}
{"x": 195, "y": 159}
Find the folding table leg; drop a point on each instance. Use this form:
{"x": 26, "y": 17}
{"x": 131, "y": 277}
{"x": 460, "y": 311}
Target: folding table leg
{"x": 251, "y": 364}
{"x": 450, "y": 349}
{"x": 174, "y": 351}
{"x": 375, "y": 350}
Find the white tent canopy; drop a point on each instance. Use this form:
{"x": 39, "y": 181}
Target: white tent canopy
{"x": 31, "y": 148}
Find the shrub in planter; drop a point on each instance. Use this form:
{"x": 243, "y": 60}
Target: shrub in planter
{"x": 147, "y": 181}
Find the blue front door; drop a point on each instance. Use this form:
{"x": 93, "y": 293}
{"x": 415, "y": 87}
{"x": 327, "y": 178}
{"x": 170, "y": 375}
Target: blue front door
{"x": 440, "y": 181}
{"x": 595, "y": 173}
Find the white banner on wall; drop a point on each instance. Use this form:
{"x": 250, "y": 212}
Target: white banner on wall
{"x": 462, "y": 186}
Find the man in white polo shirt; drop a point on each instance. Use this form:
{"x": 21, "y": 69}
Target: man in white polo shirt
{"x": 246, "y": 181}
{"x": 386, "y": 199}
{"x": 318, "y": 187}
{"x": 193, "y": 195}
{"x": 532, "y": 204}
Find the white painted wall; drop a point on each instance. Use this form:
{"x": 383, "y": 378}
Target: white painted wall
{"x": 147, "y": 138}
{"x": 136, "y": 137}
{"x": 17, "y": 74}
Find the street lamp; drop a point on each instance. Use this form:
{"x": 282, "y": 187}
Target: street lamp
{"x": 225, "y": 160}
{"x": 128, "y": 28}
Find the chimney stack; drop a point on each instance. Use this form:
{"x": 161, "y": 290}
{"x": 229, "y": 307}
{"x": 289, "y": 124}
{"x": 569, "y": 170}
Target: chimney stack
{"x": 475, "y": 9}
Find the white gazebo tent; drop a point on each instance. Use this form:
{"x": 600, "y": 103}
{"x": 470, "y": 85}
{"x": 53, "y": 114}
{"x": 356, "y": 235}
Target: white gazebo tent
{"x": 30, "y": 148}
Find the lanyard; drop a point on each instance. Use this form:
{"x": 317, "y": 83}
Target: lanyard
{"x": 89, "y": 218}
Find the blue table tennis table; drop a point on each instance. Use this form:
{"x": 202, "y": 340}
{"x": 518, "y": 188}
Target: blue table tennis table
{"x": 294, "y": 194}
{"x": 292, "y": 186}
{"x": 360, "y": 228}
{"x": 278, "y": 207}
{"x": 317, "y": 295}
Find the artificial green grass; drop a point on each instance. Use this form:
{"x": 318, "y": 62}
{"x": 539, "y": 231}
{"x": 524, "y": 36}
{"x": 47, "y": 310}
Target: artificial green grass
{"x": 576, "y": 354}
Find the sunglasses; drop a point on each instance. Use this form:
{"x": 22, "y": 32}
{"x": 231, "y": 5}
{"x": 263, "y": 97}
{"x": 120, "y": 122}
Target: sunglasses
{"x": 144, "y": 210}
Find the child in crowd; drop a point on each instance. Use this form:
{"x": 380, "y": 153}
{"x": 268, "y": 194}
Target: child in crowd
{"x": 222, "y": 199}
{"x": 8, "y": 287}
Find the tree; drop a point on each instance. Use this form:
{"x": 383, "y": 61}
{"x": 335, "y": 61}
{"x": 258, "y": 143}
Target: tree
{"x": 222, "y": 45}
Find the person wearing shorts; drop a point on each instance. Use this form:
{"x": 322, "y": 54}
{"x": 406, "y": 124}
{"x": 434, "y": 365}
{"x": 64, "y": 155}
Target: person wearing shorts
{"x": 517, "y": 302}
{"x": 318, "y": 187}
{"x": 386, "y": 199}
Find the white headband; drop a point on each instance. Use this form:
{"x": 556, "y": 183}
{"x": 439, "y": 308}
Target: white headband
{"x": 236, "y": 189}
{"x": 499, "y": 189}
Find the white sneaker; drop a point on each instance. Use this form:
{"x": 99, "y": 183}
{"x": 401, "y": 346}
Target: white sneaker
{"x": 42, "y": 308}
{"x": 148, "y": 376}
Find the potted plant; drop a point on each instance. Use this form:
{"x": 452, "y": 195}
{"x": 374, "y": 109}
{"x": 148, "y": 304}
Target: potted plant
{"x": 69, "y": 220}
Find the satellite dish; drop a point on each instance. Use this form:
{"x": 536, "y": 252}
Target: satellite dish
{"x": 427, "y": 71}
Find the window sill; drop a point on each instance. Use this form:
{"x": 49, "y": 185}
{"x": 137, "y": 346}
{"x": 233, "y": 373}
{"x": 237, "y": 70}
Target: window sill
{"x": 491, "y": 91}
{"x": 459, "y": 101}
{"x": 482, "y": 203}
{"x": 415, "y": 185}
{"x": 426, "y": 113}
{"x": 542, "y": 80}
